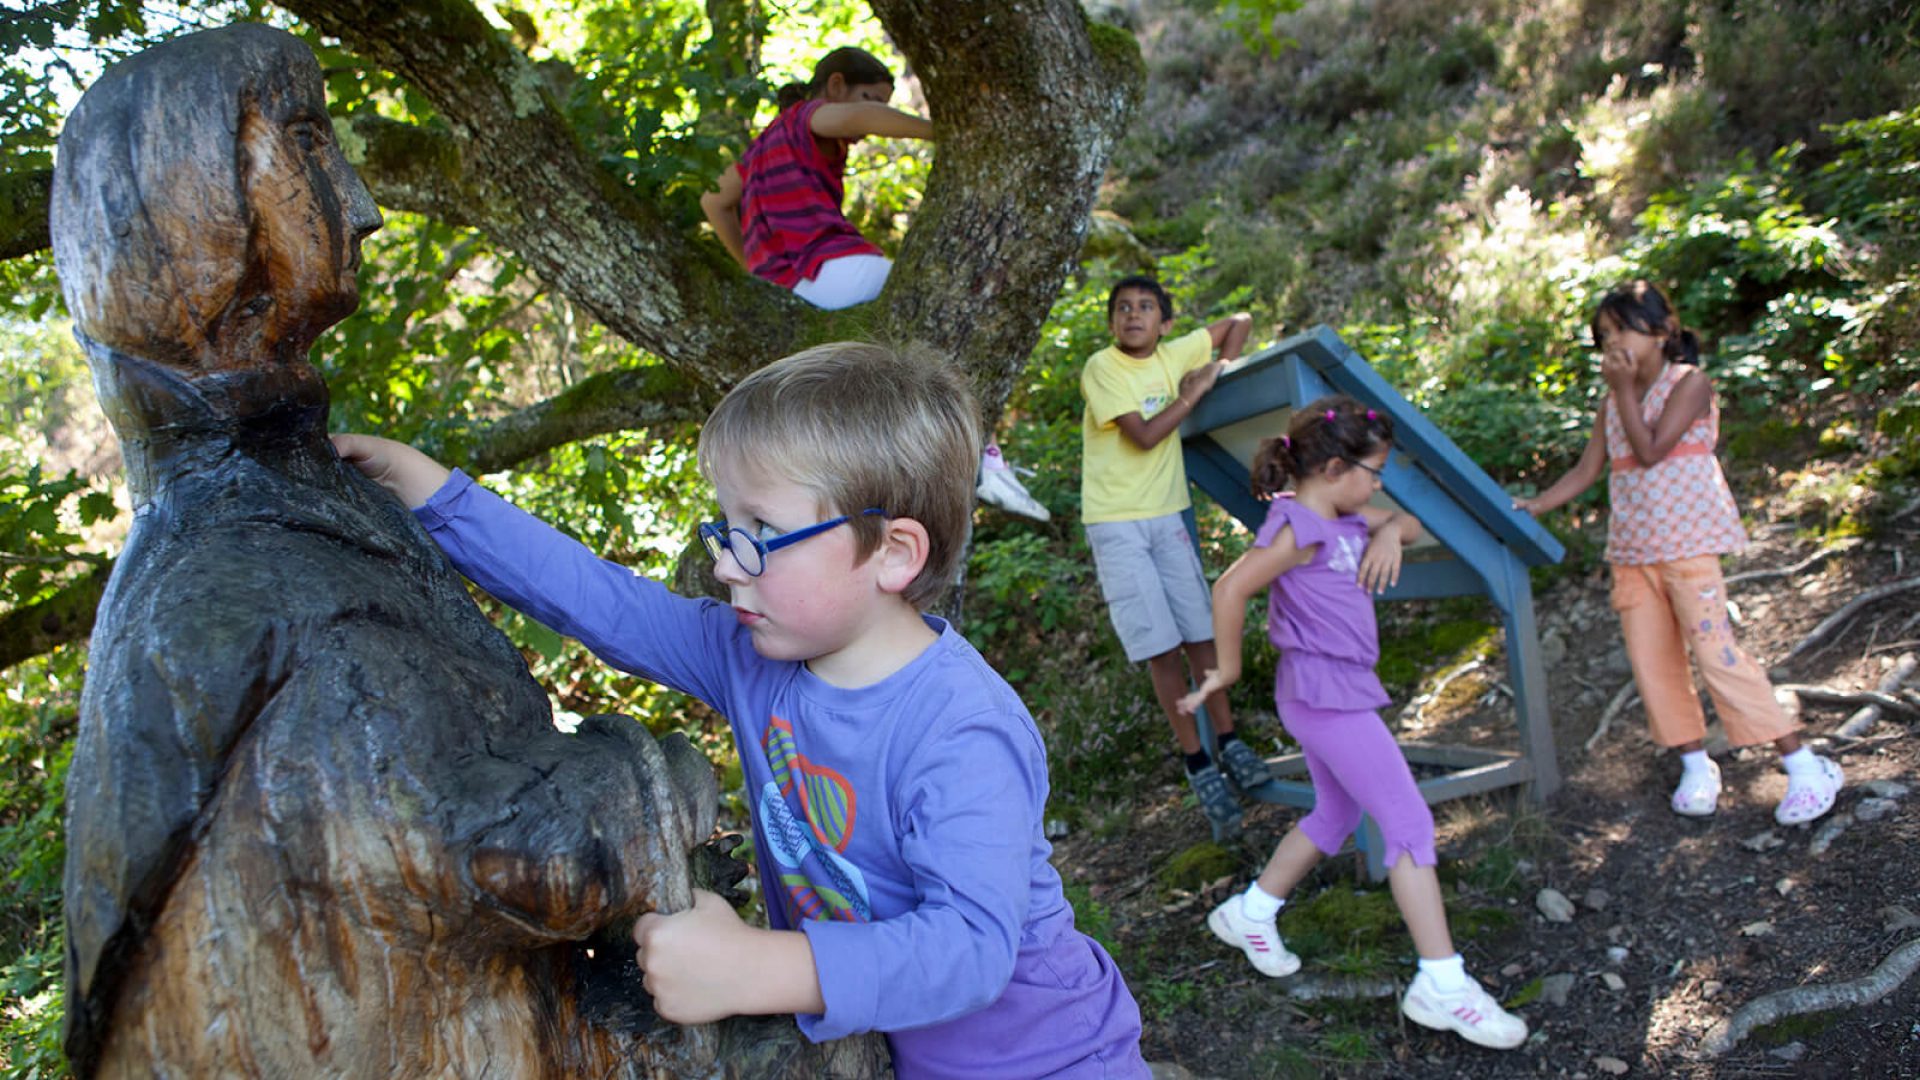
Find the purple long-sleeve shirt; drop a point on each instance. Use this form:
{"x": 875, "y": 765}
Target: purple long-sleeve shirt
{"x": 897, "y": 825}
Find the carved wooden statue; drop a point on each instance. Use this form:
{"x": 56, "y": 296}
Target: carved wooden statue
{"x": 319, "y": 821}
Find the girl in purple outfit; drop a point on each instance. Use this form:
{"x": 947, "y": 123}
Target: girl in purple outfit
{"x": 1325, "y": 551}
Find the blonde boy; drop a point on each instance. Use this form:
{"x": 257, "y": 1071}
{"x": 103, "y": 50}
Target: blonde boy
{"x": 896, "y": 782}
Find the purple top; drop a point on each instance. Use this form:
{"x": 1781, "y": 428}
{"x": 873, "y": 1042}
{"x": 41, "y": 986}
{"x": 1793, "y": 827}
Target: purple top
{"x": 1318, "y": 616}
{"x": 897, "y": 825}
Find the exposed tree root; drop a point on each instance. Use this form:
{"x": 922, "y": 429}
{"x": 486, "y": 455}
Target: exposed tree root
{"x": 1789, "y": 571}
{"x": 1622, "y": 698}
{"x": 1862, "y": 722}
{"x": 1801, "y": 1000}
{"x": 1826, "y": 695}
{"x": 1847, "y": 610}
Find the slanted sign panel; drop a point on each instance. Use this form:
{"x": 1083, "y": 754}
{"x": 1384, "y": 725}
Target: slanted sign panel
{"x": 1475, "y": 543}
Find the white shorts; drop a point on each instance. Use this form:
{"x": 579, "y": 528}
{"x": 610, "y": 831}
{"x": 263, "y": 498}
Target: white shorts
{"x": 1157, "y": 595}
{"x": 845, "y": 281}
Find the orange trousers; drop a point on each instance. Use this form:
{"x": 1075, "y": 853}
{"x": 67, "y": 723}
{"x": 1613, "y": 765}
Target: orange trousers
{"x": 1668, "y": 609}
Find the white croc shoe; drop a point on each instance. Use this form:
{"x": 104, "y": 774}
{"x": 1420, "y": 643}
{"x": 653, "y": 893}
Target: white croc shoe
{"x": 1699, "y": 792}
{"x": 1812, "y": 797}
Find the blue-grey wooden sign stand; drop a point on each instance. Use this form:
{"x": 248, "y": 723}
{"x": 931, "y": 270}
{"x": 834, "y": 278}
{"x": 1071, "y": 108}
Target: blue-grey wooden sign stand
{"x": 1488, "y": 547}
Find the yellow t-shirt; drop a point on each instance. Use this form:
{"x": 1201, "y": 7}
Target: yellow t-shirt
{"x": 1118, "y": 480}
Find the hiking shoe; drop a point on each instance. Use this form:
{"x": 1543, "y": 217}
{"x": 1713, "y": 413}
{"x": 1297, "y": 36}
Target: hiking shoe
{"x": 1259, "y": 940}
{"x": 1244, "y": 767}
{"x": 1216, "y": 801}
{"x": 1472, "y": 1014}
{"x": 1699, "y": 792}
{"x": 1810, "y": 797}
{"x": 1000, "y": 487}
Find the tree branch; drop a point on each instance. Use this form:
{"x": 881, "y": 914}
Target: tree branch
{"x": 1834, "y": 621}
{"x": 409, "y": 167}
{"x": 528, "y": 182}
{"x": 65, "y": 616}
{"x": 1800, "y": 1000}
{"x": 23, "y": 212}
{"x": 597, "y": 405}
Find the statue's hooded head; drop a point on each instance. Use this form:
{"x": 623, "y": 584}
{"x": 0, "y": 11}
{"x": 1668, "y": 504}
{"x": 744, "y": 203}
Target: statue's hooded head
{"x": 206, "y": 229}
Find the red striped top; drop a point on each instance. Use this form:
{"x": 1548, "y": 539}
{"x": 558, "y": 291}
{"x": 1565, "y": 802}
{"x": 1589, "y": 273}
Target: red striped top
{"x": 790, "y": 207}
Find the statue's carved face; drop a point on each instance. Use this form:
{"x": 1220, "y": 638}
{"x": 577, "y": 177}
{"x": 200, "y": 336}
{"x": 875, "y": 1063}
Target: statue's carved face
{"x": 308, "y": 214}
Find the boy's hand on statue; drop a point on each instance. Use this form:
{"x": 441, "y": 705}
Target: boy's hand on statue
{"x": 1380, "y": 563}
{"x": 694, "y": 959}
{"x": 1530, "y": 506}
{"x": 410, "y": 475}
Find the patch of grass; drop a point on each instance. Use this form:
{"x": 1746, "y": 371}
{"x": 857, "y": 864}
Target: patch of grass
{"x": 1406, "y": 655}
{"x": 1527, "y": 994}
{"x": 1195, "y": 867}
{"x": 1090, "y": 916}
{"x": 1284, "y": 1063}
{"x": 1803, "y": 1026}
{"x": 1159, "y": 998}
{"x": 1772, "y": 439}
{"x": 1495, "y": 871}
{"x": 1351, "y": 931}
{"x": 1353, "y": 1046}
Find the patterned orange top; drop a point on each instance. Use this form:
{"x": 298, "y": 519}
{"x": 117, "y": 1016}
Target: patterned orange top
{"x": 1678, "y": 507}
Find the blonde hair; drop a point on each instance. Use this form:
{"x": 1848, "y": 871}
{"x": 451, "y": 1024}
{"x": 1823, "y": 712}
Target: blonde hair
{"x": 862, "y": 425}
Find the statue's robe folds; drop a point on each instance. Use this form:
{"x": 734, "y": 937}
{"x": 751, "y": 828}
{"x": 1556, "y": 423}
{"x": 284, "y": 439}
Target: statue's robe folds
{"x": 320, "y": 820}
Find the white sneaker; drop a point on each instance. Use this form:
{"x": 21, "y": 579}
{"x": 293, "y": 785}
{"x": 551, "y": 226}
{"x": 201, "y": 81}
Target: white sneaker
{"x": 1000, "y": 487}
{"x": 1810, "y": 797}
{"x": 1699, "y": 792}
{"x": 1472, "y": 1014}
{"x": 1259, "y": 940}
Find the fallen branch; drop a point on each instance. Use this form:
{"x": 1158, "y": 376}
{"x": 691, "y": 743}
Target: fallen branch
{"x": 1340, "y": 987}
{"x": 1789, "y": 571}
{"x": 1861, "y": 722}
{"x": 1801, "y": 1000}
{"x": 1622, "y": 698}
{"x": 1847, "y": 611}
{"x": 1826, "y": 695}
{"x": 1842, "y": 745}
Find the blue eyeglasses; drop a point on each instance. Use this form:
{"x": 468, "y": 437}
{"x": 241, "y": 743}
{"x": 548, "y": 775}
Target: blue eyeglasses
{"x": 751, "y": 552}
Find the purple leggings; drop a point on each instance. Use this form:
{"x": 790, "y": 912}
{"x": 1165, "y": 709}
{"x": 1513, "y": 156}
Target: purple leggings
{"x": 1357, "y": 767}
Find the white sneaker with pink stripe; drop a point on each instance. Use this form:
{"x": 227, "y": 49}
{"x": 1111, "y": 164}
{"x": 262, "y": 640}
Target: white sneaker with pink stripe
{"x": 1471, "y": 1013}
{"x": 1259, "y": 940}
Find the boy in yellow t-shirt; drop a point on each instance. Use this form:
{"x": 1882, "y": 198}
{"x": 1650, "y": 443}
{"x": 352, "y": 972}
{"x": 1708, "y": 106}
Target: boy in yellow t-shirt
{"x": 1133, "y": 493}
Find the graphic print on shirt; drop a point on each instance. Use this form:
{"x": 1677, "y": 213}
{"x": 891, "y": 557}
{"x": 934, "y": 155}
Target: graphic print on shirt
{"x": 1151, "y": 405}
{"x": 1344, "y": 556}
{"x": 816, "y": 881}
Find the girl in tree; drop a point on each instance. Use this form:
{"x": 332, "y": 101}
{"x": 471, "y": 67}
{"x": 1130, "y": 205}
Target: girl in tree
{"x": 1323, "y": 550}
{"x": 778, "y": 210}
{"x": 1672, "y": 516}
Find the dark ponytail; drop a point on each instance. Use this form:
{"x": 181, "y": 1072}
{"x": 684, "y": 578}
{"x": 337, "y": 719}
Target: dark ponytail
{"x": 857, "y": 67}
{"x": 1334, "y": 428}
{"x": 1640, "y": 305}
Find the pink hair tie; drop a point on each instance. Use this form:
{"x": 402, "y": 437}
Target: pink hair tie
{"x": 1371, "y": 415}
{"x": 1286, "y": 442}
{"x": 1330, "y": 415}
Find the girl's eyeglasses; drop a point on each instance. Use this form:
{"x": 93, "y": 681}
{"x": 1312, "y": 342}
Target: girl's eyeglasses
{"x": 1377, "y": 473}
{"x": 751, "y": 552}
